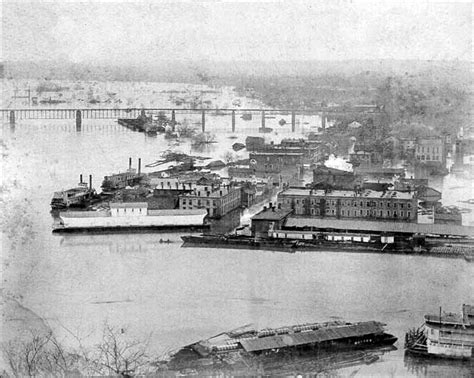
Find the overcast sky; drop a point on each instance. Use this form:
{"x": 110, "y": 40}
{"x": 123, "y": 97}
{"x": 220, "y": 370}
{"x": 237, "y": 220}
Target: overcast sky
{"x": 133, "y": 32}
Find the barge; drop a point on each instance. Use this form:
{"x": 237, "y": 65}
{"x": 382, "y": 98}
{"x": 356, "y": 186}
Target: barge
{"x": 79, "y": 196}
{"x": 313, "y": 339}
{"x": 132, "y": 216}
{"x": 279, "y": 228}
{"x": 444, "y": 336}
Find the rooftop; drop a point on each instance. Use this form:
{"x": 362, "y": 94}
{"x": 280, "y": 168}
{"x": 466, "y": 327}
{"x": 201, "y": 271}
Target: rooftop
{"x": 83, "y": 214}
{"x": 276, "y": 152}
{"x": 309, "y": 337}
{"x": 272, "y": 214}
{"x": 385, "y": 226}
{"x": 366, "y": 193}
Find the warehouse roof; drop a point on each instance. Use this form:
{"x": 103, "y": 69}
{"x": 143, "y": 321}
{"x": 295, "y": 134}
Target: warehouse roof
{"x": 309, "y": 337}
{"x": 384, "y": 226}
{"x": 272, "y": 214}
{"x": 364, "y": 194}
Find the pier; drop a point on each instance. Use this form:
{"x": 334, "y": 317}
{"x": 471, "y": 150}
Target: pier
{"x": 80, "y": 114}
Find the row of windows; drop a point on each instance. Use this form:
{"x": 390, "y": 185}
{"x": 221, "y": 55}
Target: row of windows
{"x": 429, "y": 158}
{"x": 358, "y": 213}
{"x": 132, "y": 210}
{"x": 434, "y": 149}
{"x": 350, "y": 203}
{"x": 208, "y": 203}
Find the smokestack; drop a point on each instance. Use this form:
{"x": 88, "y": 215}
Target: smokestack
{"x": 80, "y": 178}
{"x": 129, "y": 163}
{"x": 139, "y": 165}
{"x": 90, "y": 181}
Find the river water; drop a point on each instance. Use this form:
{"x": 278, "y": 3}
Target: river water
{"x": 172, "y": 295}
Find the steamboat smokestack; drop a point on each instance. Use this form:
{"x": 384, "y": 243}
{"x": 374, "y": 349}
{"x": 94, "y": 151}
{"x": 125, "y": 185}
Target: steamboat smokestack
{"x": 80, "y": 178}
{"x": 139, "y": 165}
{"x": 90, "y": 182}
{"x": 129, "y": 163}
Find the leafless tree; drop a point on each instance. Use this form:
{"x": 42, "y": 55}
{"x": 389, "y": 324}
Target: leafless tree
{"x": 116, "y": 355}
{"x": 40, "y": 354}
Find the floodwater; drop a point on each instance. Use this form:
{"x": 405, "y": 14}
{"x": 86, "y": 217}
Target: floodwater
{"x": 172, "y": 296}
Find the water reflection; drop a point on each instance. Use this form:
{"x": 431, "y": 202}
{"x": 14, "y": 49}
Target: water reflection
{"x": 432, "y": 366}
{"x": 283, "y": 364}
{"x": 124, "y": 243}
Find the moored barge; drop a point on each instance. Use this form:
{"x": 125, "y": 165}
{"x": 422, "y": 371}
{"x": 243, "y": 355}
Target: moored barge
{"x": 312, "y": 338}
{"x": 132, "y": 216}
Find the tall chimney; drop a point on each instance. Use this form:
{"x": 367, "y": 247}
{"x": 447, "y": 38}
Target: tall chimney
{"x": 80, "y": 178}
{"x": 129, "y": 163}
{"x": 90, "y": 182}
{"x": 139, "y": 165}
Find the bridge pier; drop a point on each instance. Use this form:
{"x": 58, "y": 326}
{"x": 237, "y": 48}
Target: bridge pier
{"x": 203, "y": 121}
{"x": 78, "y": 120}
{"x": 263, "y": 119}
{"x": 12, "y": 118}
{"x": 233, "y": 121}
{"x": 323, "y": 120}
{"x": 293, "y": 121}
{"x": 173, "y": 120}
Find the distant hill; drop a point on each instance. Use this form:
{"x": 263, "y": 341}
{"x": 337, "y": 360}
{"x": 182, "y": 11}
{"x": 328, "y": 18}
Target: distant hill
{"x": 456, "y": 72}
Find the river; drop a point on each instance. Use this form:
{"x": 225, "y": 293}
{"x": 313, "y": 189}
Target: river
{"x": 172, "y": 295}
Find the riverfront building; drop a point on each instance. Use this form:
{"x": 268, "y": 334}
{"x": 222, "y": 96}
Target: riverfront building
{"x": 218, "y": 201}
{"x": 430, "y": 150}
{"x": 360, "y": 204}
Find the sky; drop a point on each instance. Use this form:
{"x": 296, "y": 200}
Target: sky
{"x": 143, "y": 31}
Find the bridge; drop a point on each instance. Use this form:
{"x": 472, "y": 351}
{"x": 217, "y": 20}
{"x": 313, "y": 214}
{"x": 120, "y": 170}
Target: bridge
{"x": 12, "y": 115}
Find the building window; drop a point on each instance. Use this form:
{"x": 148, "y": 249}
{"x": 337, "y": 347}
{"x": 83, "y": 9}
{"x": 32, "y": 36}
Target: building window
{"x": 401, "y": 206}
{"x": 333, "y": 212}
{"x": 409, "y": 205}
{"x": 409, "y": 214}
{"x": 402, "y": 213}
{"x": 388, "y": 204}
{"x": 361, "y": 203}
{"x": 388, "y": 213}
{"x": 360, "y": 212}
{"x": 342, "y": 212}
{"x": 381, "y": 213}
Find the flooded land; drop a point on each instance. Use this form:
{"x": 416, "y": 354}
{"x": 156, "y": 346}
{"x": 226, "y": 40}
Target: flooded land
{"x": 172, "y": 296}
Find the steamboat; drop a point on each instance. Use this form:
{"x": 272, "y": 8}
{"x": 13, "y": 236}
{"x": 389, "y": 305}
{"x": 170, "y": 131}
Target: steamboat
{"x": 444, "y": 335}
{"x": 117, "y": 181}
{"x": 79, "y": 196}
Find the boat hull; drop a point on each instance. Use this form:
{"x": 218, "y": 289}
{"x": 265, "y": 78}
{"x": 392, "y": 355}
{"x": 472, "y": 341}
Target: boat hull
{"x": 130, "y": 229}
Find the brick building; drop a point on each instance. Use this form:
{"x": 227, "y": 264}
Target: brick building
{"x": 335, "y": 178}
{"x": 218, "y": 201}
{"x": 361, "y": 204}
{"x": 276, "y": 162}
{"x": 430, "y": 150}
